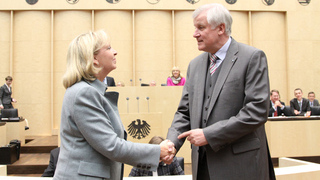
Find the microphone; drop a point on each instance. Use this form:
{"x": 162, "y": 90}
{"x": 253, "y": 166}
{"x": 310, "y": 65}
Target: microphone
{"x": 140, "y": 81}
{"x": 148, "y": 104}
{"x": 131, "y": 82}
{"x": 127, "y": 104}
{"x": 138, "y": 103}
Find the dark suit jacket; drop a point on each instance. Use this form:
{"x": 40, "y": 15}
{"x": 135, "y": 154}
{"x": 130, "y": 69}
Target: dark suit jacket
{"x": 279, "y": 110}
{"x": 316, "y": 102}
{"x": 54, "y": 154}
{"x": 238, "y": 109}
{"x": 295, "y": 106}
{"x": 5, "y": 95}
{"x": 110, "y": 81}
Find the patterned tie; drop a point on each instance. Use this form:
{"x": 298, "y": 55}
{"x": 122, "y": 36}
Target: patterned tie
{"x": 275, "y": 114}
{"x": 213, "y": 63}
{"x": 300, "y": 104}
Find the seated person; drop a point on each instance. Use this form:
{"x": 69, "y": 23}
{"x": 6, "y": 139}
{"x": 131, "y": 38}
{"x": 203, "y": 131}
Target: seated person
{"x": 109, "y": 81}
{"x": 176, "y": 79}
{"x": 163, "y": 169}
{"x": 300, "y": 106}
{"x": 54, "y": 154}
{"x": 312, "y": 100}
{"x": 152, "y": 83}
{"x": 276, "y": 106}
{"x": 120, "y": 84}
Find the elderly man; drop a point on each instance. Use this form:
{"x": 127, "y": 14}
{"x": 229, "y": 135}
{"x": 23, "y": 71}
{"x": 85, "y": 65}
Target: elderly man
{"x": 224, "y": 104}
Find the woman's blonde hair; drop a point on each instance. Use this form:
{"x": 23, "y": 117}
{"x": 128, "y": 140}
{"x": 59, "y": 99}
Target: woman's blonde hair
{"x": 80, "y": 57}
{"x": 176, "y": 68}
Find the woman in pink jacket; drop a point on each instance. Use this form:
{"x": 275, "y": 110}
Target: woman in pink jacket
{"x": 176, "y": 79}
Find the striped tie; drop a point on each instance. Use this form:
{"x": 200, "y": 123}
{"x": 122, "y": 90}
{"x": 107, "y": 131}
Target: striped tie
{"x": 213, "y": 63}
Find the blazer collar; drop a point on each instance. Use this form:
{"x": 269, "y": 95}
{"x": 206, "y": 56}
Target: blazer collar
{"x": 100, "y": 86}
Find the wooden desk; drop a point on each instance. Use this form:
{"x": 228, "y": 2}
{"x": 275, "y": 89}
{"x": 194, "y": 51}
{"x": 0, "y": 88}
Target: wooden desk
{"x": 3, "y": 134}
{"x": 294, "y": 136}
{"x": 15, "y": 130}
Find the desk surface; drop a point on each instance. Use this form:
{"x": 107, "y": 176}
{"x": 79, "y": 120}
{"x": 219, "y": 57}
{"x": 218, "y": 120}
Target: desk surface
{"x": 180, "y": 177}
{"x": 293, "y": 118}
{"x": 18, "y": 120}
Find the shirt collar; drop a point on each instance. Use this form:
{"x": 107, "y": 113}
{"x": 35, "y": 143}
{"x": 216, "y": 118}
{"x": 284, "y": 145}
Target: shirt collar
{"x": 222, "y": 52}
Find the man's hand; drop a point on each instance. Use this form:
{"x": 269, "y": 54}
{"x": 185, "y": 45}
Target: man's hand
{"x": 195, "y": 136}
{"x": 277, "y": 104}
{"x": 167, "y": 151}
{"x": 296, "y": 112}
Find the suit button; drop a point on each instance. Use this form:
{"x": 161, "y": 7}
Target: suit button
{"x": 206, "y": 108}
{"x": 139, "y": 166}
{"x": 205, "y": 121}
{"x": 208, "y": 97}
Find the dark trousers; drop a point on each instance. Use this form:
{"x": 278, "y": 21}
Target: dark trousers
{"x": 8, "y": 106}
{"x": 203, "y": 172}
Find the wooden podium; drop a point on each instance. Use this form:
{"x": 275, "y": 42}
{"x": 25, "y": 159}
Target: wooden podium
{"x": 296, "y": 136}
{"x": 3, "y": 134}
{"x": 15, "y": 130}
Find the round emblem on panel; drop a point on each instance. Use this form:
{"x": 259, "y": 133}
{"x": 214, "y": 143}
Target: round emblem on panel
{"x": 304, "y": 2}
{"x": 153, "y": 1}
{"x": 268, "y": 2}
{"x": 72, "y": 1}
{"x": 231, "y": 1}
{"x": 113, "y": 1}
{"x": 31, "y": 2}
{"x": 193, "y": 1}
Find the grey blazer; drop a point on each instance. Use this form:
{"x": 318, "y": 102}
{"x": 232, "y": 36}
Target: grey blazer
{"x": 92, "y": 144}
{"x": 5, "y": 95}
{"x": 237, "y": 113}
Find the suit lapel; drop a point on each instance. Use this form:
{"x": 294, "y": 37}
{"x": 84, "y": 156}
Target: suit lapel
{"x": 199, "y": 90}
{"x": 226, "y": 67}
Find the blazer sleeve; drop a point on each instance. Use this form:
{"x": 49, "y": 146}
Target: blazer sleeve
{"x": 99, "y": 130}
{"x": 181, "y": 121}
{"x": 1, "y": 94}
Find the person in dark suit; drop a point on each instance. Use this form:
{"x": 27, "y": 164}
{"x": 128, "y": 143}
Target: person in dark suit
{"x": 5, "y": 94}
{"x": 224, "y": 107}
{"x": 54, "y": 154}
{"x": 109, "y": 81}
{"x": 163, "y": 169}
{"x": 312, "y": 100}
{"x": 276, "y": 106}
{"x": 300, "y": 106}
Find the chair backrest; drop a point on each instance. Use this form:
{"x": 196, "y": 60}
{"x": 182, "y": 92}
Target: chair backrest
{"x": 181, "y": 162}
{"x": 287, "y": 111}
{"x": 315, "y": 110}
{"x": 9, "y": 113}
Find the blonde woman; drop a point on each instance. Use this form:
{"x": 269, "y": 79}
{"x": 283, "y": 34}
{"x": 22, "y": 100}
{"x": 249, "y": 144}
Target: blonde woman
{"x": 176, "y": 79}
{"x": 93, "y": 144}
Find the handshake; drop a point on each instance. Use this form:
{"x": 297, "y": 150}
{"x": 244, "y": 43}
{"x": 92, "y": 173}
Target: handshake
{"x": 167, "y": 151}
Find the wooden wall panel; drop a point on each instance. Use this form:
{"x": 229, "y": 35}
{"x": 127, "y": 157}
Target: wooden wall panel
{"x": 153, "y": 45}
{"x": 67, "y": 26}
{"x": 31, "y": 68}
{"x": 5, "y": 21}
{"x": 119, "y": 26}
{"x": 269, "y": 35}
{"x": 186, "y": 47}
